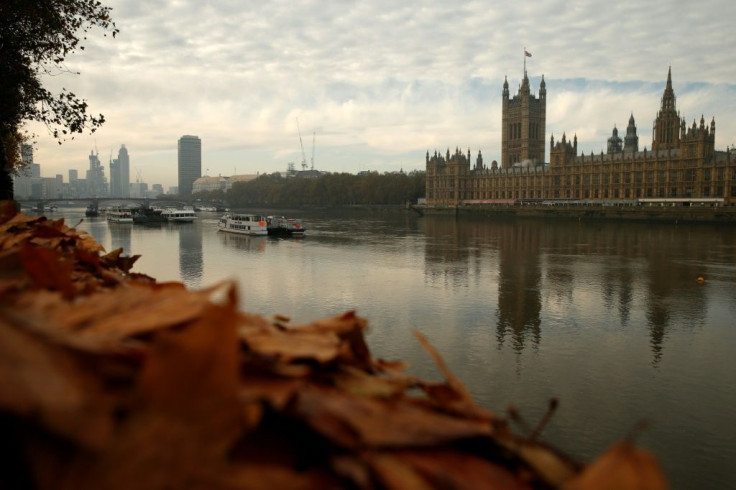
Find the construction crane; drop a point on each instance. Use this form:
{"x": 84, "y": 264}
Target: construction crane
{"x": 304, "y": 157}
{"x": 313, "y": 133}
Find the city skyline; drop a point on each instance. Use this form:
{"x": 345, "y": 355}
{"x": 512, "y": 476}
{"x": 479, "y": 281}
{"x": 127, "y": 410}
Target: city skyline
{"x": 375, "y": 86}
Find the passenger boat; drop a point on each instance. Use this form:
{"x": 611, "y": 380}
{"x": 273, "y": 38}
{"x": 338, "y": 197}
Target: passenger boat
{"x": 243, "y": 224}
{"x": 282, "y": 226}
{"x": 119, "y": 215}
{"x": 179, "y": 215}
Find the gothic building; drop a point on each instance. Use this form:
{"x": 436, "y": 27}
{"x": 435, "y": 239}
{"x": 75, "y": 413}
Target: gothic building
{"x": 522, "y": 130}
{"x": 681, "y": 167}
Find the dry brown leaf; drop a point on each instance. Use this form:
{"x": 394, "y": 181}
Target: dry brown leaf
{"x": 449, "y": 468}
{"x": 293, "y": 345}
{"x": 352, "y": 421}
{"x": 622, "y": 466}
{"x": 455, "y": 399}
{"x": 186, "y": 417}
{"x": 48, "y": 385}
{"x": 359, "y": 383}
{"x": 393, "y": 473}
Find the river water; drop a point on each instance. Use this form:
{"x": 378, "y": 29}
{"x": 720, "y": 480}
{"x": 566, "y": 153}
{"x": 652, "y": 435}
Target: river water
{"x": 607, "y": 317}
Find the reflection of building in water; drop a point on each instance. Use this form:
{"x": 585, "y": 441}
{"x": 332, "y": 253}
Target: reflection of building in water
{"x": 519, "y": 297}
{"x": 120, "y": 236}
{"x": 664, "y": 303}
{"x": 446, "y": 252}
{"x": 190, "y": 254}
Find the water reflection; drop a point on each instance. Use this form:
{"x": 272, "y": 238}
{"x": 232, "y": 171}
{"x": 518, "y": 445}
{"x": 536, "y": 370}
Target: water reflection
{"x": 446, "y": 252}
{"x": 191, "y": 264}
{"x": 244, "y": 242}
{"x": 547, "y": 273}
{"x": 120, "y": 236}
{"x": 519, "y": 298}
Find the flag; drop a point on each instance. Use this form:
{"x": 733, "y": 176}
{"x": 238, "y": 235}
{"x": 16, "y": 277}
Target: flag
{"x": 527, "y": 53}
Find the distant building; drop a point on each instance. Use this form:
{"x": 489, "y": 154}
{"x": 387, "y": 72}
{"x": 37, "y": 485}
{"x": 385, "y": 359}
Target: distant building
{"x": 220, "y": 183}
{"x": 138, "y": 189}
{"x": 207, "y": 184}
{"x": 95, "y": 177}
{"x": 120, "y": 174}
{"x": 22, "y": 181}
{"x": 157, "y": 190}
{"x": 190, "y": 162}
{"x": 681, "y": 167}
{"x": 239, "y": 178}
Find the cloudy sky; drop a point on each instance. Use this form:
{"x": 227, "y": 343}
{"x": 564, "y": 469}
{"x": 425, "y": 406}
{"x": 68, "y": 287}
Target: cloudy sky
{"x": 377, "y": 83}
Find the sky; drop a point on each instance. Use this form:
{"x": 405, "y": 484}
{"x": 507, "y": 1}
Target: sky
{"x": 373, "y": 85}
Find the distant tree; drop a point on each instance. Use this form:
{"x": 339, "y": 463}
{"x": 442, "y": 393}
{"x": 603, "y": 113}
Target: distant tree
{"x": 36, "y": 36}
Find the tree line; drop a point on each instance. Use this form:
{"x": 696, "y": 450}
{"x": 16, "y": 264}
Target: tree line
{"x": 333, "y": 189}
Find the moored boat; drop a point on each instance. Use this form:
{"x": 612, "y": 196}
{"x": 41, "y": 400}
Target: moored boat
{"x": 119, "y": 215}
{"x": 91, "y": 211}
{"x": 282, "y": 226}
{"x": 148, "y": 216}
{"x": 243, "y": 224}
{"x": 178, "y": 215}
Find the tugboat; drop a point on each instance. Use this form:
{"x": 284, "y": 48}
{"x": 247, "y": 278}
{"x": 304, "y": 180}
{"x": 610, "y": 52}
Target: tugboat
{"x": 282, "y": 226}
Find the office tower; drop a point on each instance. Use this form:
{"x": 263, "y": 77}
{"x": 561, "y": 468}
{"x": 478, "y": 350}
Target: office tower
{"x": 190, "y": 162}
{"x": 120, "y": 174}
{"x": 124, "y": 169}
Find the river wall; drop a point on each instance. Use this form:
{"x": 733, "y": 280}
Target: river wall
{"x": 667, "y": 214}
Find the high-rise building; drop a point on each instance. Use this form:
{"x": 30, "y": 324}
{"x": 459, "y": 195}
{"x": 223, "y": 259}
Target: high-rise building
{"x": 190, "y": 162}
{"x": 95, "y": 177}
{"x": 120, "y": 174}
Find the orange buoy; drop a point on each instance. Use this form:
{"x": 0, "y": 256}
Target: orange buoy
{"x": 700, "y": 279}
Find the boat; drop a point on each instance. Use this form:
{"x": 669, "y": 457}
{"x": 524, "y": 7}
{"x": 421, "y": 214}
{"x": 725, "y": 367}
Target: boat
{"x": 243, "y": 224}
{"x": 91, "y": 211}
{"x": 119, "y": 215}
{"x": 148, "y": 216}
{"x": 178, "y": 215}
{"x": 282, "y": 226}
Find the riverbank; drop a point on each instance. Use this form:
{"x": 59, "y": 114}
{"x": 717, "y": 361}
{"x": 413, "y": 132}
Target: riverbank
{"x": 662, "y": 214}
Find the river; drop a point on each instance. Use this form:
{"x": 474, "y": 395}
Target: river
{"x": 607, "y": 317}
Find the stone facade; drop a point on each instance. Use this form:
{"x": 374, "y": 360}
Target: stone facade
{"x": 682, "y": 164}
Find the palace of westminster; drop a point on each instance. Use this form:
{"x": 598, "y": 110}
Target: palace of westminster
{"x": 682, "y": 166}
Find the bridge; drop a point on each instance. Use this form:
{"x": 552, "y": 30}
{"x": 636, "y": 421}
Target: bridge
{"x": 138, "y": 202}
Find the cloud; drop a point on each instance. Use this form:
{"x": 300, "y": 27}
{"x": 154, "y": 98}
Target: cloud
{"x": 380, "y": 83}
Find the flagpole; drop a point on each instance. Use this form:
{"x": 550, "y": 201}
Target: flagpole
{"x": 524, "y": 55}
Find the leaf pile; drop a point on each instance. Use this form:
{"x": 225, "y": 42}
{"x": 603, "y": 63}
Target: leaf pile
{"x": 110, "y": 380}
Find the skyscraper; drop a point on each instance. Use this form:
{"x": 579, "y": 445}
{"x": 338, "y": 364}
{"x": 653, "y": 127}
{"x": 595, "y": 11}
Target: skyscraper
{"x": 120, "y": 174}
{"x": 190, "y": 162}
{"x": 96, "y": 181}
